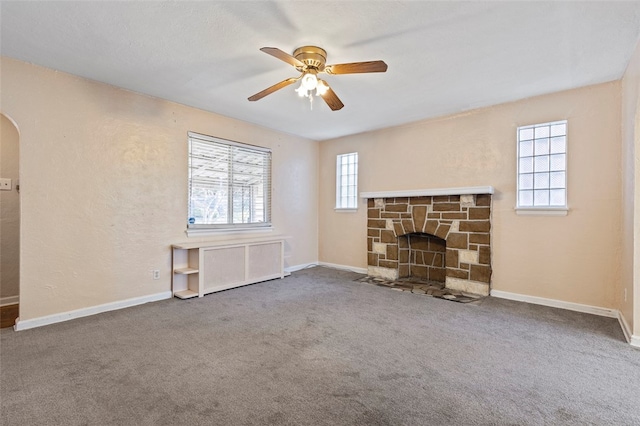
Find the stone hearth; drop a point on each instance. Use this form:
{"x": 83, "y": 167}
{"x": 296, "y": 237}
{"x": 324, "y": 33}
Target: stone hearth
{"x": 441, "y": 238}
{"x": 426, "y": 288}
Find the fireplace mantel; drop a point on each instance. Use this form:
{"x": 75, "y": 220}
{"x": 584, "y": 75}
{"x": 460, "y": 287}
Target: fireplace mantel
{"x": 466, "y": 190}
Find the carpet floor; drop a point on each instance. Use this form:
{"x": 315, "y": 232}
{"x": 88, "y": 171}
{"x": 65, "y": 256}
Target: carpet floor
{"x": 321, "y": 348}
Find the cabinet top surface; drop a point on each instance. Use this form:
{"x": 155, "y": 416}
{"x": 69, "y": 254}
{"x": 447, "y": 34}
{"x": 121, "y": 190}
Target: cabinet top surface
{"x": 228, "y": 242}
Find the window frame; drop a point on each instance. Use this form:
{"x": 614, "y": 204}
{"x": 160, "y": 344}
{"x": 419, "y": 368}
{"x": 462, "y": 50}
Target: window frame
{"x": 339, "y": 187}
{"x": 221, "y": 143}
{"x": 548, "y": 210}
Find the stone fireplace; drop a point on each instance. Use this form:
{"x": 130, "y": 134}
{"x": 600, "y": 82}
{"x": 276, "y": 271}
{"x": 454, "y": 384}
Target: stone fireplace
{"x": 432, "y": 236}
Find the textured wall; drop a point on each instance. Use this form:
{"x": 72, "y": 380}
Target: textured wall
{"x": 574, "y": 258}
{"x": 630, "y": 280}
{"x": 104, "y": 187}
{"x": 9, "y": 212}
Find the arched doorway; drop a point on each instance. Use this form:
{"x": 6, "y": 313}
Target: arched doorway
{"x": 9, "y": 222}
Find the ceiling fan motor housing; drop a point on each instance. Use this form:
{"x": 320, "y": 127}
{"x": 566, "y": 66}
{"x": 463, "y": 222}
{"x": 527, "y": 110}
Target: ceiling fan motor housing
{"x": 312, "y": 56}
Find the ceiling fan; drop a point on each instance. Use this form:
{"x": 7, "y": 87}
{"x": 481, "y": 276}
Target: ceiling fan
{"x": 310, "y": 61}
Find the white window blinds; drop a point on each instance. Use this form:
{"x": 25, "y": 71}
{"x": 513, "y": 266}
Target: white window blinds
{"x": 229, "y": 183}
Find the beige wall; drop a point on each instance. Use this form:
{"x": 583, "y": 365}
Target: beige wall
{"x": 630, "y": 276}
{"x": 9, "y": 213}
{"x": 572, "y": 258}
{"x": 104, "y": 189}
{"x": 104, "y": 179}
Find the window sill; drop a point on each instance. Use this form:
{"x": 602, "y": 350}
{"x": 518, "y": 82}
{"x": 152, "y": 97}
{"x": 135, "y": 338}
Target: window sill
{"x": 542, "y": 211}
{"x": 203, "y": 232}
{"x": 343, "y": 210}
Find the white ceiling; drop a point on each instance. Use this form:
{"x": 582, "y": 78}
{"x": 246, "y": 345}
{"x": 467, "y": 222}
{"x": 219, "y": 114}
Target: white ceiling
{"x": 443, "y": 57}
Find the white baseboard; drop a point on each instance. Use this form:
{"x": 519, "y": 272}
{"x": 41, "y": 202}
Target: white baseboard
{"x": 300, "y": 267}
{"x": 84, "y": 312}
{"x": 9, "y": 300}
{"x": 624, "y": 325}
{"x": 343, "y": 267}
{"x": 588, "y": 309}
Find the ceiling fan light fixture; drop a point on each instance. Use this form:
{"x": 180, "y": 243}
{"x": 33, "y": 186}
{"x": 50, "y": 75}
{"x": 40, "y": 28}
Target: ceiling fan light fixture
{"x": 302, "y": 92}
{"x": 309, "y": 82}
{"x": 322, "y": 88}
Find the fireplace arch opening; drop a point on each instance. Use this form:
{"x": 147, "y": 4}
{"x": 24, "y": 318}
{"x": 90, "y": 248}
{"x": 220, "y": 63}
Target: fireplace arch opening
{"x": 422, "y": 256}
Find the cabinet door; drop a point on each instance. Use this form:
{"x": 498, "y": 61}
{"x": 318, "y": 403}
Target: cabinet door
{"x": 223, "y": 268}
{"x": 265, "y": 261}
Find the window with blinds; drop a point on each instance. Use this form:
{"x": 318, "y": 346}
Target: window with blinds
{"x": 229, "y": 184}
{"x": 347, "y": 181}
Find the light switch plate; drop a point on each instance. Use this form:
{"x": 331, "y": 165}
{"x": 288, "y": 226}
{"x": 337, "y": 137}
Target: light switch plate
{"x": 5, "y": 184}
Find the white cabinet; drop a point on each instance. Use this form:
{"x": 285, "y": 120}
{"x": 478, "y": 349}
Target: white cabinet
{"x": 205, "y": 267}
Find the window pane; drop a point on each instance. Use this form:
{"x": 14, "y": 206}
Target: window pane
{"x": 541, "y": 132}
{"x": 541, "y": 197}
{"x": 526, "y": 149}
{"x": 557, "y": 180}
{"x": 557, "y": 162}
{"x": 347, "y": 180}
{"x": 541, "y": 180}
{"x": 526, "y": 134}
{"x": 559, "y": 129}
{"x": 541, "y": 164}
{"x": 526, "y": 181}
{"x": 525, "y": 198}
{"x": 541, "y": 146}
{"x": 557, "y": 197}
{"x": 526, "y": 165}
{"x": 558, "y": 144}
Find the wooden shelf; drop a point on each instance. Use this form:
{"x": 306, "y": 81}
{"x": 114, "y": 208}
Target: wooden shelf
{"x": 185, "y": 271}
{"x": 186, "y": 294}
{"x": 185, "y": 281}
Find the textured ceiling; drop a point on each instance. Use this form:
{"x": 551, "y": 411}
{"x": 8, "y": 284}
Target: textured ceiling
{"x": 443, "y": 57}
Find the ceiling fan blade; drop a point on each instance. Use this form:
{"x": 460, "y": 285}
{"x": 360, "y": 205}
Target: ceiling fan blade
{"x": 332, "y": 99}
{"x": 356, "y": 67}
{"x": 269, "y": 90}
{"x": 283, "y": 56}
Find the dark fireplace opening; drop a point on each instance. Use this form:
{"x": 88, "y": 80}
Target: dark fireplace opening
{"x": 422, "y": 256}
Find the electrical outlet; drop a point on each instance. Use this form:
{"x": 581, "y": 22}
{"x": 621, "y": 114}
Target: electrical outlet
{"x": 156, "y": 274}
{"x": 5, "y": 184}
